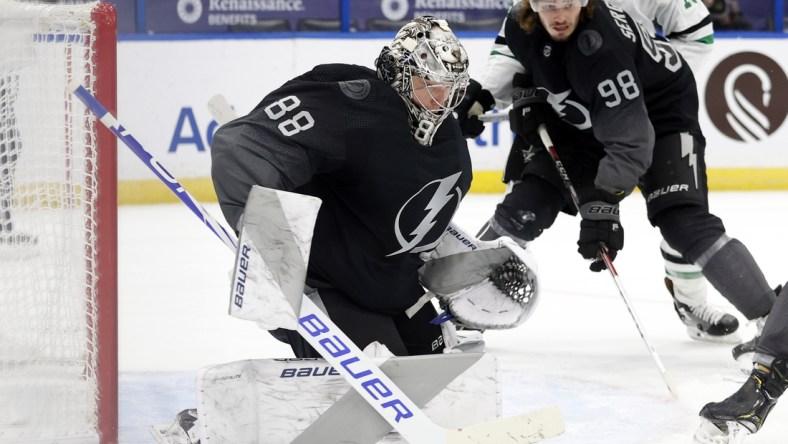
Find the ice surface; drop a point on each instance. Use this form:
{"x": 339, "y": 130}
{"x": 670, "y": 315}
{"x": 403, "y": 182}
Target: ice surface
{"x": 580, "y": 350}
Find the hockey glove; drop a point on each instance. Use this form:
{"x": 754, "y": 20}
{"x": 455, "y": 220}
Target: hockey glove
{"x": 483, "y": 284}
{"x": 600, "y": 226}
{"x": 528, "y": 112}
{"x": 476, "y": 102}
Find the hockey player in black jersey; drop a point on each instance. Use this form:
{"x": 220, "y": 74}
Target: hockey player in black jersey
{"x": 621, "y": 107}
{"x": 688, "y": 27}
{"x": 383, "y": 152}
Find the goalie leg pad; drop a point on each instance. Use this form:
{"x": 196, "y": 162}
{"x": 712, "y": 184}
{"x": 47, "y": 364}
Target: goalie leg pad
{"x": 277, "y": 400}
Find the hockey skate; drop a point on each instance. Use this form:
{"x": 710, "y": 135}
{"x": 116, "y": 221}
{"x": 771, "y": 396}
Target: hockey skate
{"x": 182, "y": 431}
{"x": 744, "y": 352}
{"x": 704, "y": 321}
{"x": 744, "y": 412}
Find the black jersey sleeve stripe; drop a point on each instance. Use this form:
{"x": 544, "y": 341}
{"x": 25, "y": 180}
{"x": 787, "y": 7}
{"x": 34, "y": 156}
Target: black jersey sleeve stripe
{"x": 691, "y": 29}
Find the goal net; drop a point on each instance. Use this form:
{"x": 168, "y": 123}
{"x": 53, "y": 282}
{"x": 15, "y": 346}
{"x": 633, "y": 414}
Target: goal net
{"x": 58, "y": 206}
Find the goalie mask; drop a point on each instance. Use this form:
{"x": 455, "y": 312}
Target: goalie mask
{"x": 428, "y": 67}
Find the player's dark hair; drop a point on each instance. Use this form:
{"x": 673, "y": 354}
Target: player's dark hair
{"x": 528, "y": 20}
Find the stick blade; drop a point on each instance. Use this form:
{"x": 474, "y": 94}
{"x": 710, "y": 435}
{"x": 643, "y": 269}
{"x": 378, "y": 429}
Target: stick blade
{"x": 531, "y": 427}
{"x": 220, "y": 109}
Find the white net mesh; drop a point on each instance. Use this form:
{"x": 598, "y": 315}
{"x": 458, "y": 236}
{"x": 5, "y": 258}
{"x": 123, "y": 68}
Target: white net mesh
{"x": 48, "y": 154}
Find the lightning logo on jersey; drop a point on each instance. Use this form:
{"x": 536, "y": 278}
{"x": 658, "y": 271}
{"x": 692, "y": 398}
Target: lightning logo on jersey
{"x": 444, "y": 192}
{"x": 688, "y": 151}
{"x": 581, "y": 118}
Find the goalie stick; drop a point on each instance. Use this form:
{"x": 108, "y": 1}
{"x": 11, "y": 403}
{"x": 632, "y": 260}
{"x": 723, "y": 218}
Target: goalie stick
{"x": 333, "y": 344}
{"x": 548, "y": 143}
{"x": 494, "y": 117}
{"x": 113, "y": 125}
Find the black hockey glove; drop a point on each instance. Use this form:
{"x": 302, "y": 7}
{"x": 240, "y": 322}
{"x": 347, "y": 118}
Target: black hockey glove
{"x": 476, "y": 102}
{"x": 528, "y": 112}
{"x": 600, "y": 225}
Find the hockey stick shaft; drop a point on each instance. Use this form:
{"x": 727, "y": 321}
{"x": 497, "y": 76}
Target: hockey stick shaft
{"x": 366, "y": 378}
{"x": 494, "y": 117}
{"x": 603, "y": 254}
{"x": 121, "y": 133}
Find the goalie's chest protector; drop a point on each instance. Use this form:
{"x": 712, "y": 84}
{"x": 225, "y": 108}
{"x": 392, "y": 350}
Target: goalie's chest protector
{"x": 386, "y": 198}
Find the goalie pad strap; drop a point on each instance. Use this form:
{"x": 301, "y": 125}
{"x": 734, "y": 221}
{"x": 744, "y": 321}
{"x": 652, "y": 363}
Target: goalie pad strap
{"x": 420, "y": 303}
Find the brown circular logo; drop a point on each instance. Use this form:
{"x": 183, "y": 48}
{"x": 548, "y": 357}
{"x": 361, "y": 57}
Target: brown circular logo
{"x": 747, "y": 96}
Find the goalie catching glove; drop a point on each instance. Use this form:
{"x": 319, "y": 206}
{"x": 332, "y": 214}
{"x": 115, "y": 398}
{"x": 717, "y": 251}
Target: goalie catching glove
{"x": 483, "y": 284}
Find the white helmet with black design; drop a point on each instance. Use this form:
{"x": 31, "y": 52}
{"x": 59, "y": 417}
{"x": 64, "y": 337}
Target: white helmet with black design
{"x": 428, "y": 67}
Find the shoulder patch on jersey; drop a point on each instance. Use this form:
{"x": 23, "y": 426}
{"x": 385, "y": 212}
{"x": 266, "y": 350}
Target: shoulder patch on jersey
{"x": 589, "y": 42}
{"x": 356, "y": 89}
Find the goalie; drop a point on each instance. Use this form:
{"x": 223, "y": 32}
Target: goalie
{"x": 384, "y": 153}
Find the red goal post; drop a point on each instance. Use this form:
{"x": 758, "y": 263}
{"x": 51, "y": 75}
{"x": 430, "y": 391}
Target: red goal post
{"x": 58, "y": 225}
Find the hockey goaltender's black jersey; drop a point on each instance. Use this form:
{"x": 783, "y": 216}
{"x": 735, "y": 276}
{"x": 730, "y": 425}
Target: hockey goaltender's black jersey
{"x": 341, "y": 134}
{"x": 614, "y": 80}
